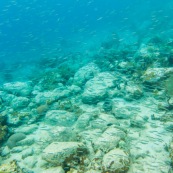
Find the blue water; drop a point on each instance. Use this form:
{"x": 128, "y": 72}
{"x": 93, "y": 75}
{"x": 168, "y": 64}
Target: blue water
{"x": 30, "y": 30}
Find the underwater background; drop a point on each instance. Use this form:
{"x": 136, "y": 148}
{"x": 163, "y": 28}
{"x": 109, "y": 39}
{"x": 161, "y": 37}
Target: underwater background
{"x": 86, "y": 86}
{"x": 30, "y": 30}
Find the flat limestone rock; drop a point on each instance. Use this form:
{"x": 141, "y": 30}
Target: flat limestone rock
{"x": 58, "y": 152}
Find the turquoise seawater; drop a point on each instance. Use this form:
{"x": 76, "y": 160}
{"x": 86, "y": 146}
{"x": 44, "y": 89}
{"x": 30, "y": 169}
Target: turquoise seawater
{"x": 86, "y": 86}
{"x": 30, "y": 30}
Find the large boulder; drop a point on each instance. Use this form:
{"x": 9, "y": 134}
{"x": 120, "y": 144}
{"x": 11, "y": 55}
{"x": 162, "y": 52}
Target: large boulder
{"x": 96, "y": 88}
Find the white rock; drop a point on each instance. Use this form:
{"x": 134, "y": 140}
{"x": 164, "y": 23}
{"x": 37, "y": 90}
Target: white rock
{"x": 20, "y": 102}
{"x": 57, "y": 152}
{"x": 145, "y": 51}
{"x": 109, "y": 139}
{"x": 125, "y": 66}
{"x": 96, "y": 88}
{"x": 13, "y": 120}
{"x": 43, "y": 97}
{"x": 93, "y": 171}
{"x": 60, "y": 118}
{"x": 61, "y": 93}
{"x": 74, "y": 89}
{"x": 19, "y": 88}
{"x": 28, "y": 141}
{"x": 83, "y": 121}
{"x": 43, "y": 136}
{"x": 27, "y": 129}
{"x": 30, "y": 161}
{"x": 85, "y": 73}
{"x": 58, "y": 93}
{"x": 54, "y": 170}
{"x": 121, "y": 112}
{"x": 171, "y": 101}
{"x": 7, "y": 97}
{"x": 61, "y": 134}
{"x": 154, "y": 75}
{"x": 90, "y": 135}
{"x": 27, "y": 152}
{"x": 116, "y": 160}
{"x": 5, "y": 151}
{"x": 133, "y": 92}
{"x": 137, "y": 121}
{"x": 103, "y": 121}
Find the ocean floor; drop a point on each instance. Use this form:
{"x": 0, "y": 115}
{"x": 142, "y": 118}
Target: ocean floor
{"x": 110, "y": 114}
